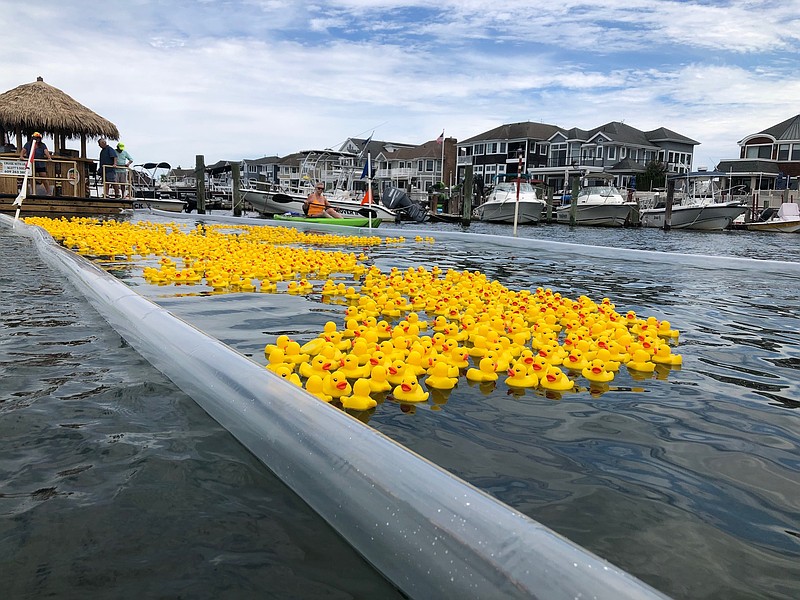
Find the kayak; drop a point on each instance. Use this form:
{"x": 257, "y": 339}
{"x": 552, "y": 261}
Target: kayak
{"x": 345, "y": 221}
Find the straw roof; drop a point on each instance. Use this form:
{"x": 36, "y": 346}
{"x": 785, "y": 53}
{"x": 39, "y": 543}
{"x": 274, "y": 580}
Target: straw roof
{"x": 40, "y": 107}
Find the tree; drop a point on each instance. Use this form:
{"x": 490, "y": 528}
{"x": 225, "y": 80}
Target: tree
{"x": 655, "y": 175}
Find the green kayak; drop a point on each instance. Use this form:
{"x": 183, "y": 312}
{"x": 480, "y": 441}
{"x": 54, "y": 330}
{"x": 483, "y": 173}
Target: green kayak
{"x": 345, "y": 221}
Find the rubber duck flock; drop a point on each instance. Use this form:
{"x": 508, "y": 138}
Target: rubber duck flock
{"x": 475, "y": 327}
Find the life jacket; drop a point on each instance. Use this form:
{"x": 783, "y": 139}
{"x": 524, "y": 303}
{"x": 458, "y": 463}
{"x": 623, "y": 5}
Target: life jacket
{"x": 316, "y": 206}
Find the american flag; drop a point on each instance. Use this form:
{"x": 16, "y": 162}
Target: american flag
{"x": 440, "y": 139}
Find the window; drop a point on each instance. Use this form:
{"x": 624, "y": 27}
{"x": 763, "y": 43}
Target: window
{"x": 600, "y": 152}
{"x": 541, "y": 148}
{"x": 762, "y": 151}
{"x": 558, "y": 155}
{"x": 795, "y": 152}
{"x": 612, "y": 153}
{"x": 478, "y": 149}
{"x": 622, "y": 152}
{"x": 783, "y": 152}
{"x": 502, "y": 147}
{"x": 429, "y": 166}
{"x": 420, "y": 165}
{"x": 491, "y": 148}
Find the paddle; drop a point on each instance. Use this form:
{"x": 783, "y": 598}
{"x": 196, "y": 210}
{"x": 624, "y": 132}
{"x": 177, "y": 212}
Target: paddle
{"x": 283, "y": 198}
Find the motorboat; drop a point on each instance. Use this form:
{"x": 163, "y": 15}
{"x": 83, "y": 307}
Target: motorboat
{"x": 785, "y": 219}
{"x": 270, "y": 200}
{"x": 335, "y": 169}
{"x": 700, "y": 205}
{"x": 511, "y": 197}
{"x": 598, "y": 205}
{"x": 150, "y": 193}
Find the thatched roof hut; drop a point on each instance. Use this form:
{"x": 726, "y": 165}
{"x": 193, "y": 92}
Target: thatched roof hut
{"x": 40, "y": 107}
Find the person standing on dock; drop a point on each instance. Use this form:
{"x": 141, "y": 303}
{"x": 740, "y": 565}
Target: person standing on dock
{"x": 124, "y": 161}
{"x": 108, "y": 162}
{"x": 39, "y": 167}
{"x": 317, "y": 205}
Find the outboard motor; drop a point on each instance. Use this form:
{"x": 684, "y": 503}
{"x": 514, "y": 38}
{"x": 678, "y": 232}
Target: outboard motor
{"x": 397, "y": 200}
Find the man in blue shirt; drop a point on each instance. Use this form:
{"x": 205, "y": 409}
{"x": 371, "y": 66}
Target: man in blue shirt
{"x": 108, "y": 162}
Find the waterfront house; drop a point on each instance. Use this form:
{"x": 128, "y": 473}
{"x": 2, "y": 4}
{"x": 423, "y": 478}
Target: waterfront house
{"x": 417, "y": 169}
{"x": 768, "y": 167}
{"x": 499, "y": 150}
{"x": 554, "y": 154}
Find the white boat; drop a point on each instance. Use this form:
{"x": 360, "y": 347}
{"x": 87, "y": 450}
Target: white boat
{"x": 699, "y": 205}
{"x": 503, "y": 202}
{"x": 271, "y": 200}
{"x": 149, "y": 193}
{"x": 786, "y": 219}
{"x": 598, "y": 205}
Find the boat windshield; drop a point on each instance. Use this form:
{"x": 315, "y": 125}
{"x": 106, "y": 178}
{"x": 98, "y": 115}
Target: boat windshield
{"x": 606, "y": 191}
{"x": 511, "y": 186}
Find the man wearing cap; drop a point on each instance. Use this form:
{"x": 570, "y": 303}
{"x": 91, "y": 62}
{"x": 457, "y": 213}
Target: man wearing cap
{"x": 124, "y": 161}
{"x": 39, "y": 166}
{"x": 108, "y": 162}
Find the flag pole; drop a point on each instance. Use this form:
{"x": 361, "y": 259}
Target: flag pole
{"x": 443, "y": 156}
{"x": 369, "y": 189}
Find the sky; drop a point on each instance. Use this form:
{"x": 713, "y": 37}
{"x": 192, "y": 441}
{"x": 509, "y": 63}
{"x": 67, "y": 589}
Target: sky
{"x": 237, "y": 79}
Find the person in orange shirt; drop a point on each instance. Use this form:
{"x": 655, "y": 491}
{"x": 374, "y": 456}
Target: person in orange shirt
{"x": 316, "y": 205}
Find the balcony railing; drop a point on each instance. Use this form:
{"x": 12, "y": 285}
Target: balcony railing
{"x": 464, "y": 160}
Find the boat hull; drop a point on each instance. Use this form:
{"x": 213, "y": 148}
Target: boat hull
{"x": 345, "y": 222}
{"x": 776, "y": 225}
{"x": 602, "y": 215}
{"x": 167, "y": 204}
{"x": 710, "y": 217}
{"x": 503, "y": 212}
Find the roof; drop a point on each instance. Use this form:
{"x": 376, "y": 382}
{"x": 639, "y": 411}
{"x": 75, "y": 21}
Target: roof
{"x": 626, "y": 166}
{"x": 748, "y": 166}
{"x": 786, "y": 130}
{"x": 374, "y": 147}
{"x": 621, "y": 133}
{"x": 662, "y": 134}
{"x": 525, "y": 130}
{"x": 38, "y": 106}
{"x": 430, "y": 149}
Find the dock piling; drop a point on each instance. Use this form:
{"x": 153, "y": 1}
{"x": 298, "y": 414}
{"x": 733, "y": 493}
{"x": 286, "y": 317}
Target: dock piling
{"x": 200, "y": 179}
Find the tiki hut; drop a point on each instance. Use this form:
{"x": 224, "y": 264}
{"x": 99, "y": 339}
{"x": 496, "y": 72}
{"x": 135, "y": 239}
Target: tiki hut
{"x": 40, "y": 107}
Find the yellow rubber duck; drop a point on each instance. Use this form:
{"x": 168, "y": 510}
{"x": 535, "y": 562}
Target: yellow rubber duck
{"x": 640, "y": 361}
{"x": 440, "y": 378}
{"x": 314, "y": 386}
{"x": 484, "y": 372}
{"x": 665, "y": 331}
{"x": 554, "y": 379}
{"x": 377, "y": 380}
{"x": 286, "y": 372}
{"x": 293, "y": 355}
{"x": 319, "y": 365}
{"x": 663, "y": 355}
{"x": 521, "y": 376}
{"x": 360, "y": 398}
{"x": 351, "y": 369}
{"x": 277, "y": 358}
{"x": 597, "y": 372}
{"x": 396, "y": 371}
{"x": 409, "y": 390}
{"x": 336, "y": 385}
{"x": 280, "y": 343}
{"x": 575, "y": 360}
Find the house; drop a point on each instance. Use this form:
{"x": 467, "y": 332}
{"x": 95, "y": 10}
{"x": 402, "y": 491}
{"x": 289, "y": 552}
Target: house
{"x": 417, "y": 169}
{"x": 768, "y": 167}
{"x": 500, "y": 150}
{"x": 554, "y": 154}
{"x": 614, "y": 148}
{"x": 260, "y": 169}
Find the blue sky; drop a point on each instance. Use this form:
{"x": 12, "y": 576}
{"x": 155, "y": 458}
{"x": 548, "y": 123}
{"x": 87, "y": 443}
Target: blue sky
{"x": 247, "y": 78}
